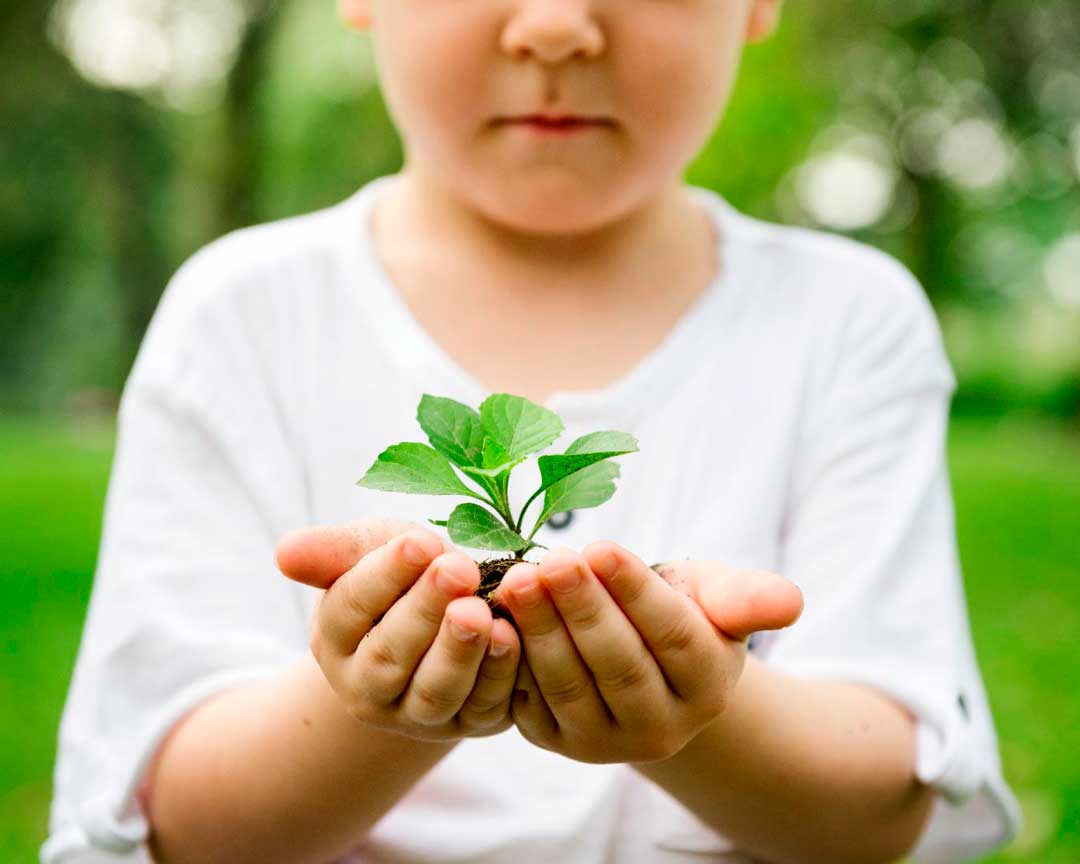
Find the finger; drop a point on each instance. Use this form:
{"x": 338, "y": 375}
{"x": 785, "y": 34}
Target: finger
{"x": 447, "y": 674}
{"x": 624, "y": 671}
{"x": 355, "y": 601}
{"x": 392, "y": 650}
{"x": 564, "y": 680}
{"x": 530, "y": 712}
{"x": 676, "y": 632}
{"x": 741, "y": 602}
{"x": 488, "y": 705}
{"x": 320, "y": 554}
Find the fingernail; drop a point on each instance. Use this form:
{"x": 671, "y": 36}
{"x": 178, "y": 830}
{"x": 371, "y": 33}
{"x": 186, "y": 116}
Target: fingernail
{"x": 462, "y": 633}
{"x": 446, "y": 582}
{"x": 565, "y": 578}
{"x": 414, "y": 553}
{"x": 527, "y": 594}
{"x": 499, "y": 649}
{"x": 605, "y": 565}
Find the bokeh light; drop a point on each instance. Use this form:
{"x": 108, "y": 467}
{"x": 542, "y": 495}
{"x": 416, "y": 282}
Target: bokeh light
{"x": 975, "y": 154}
{"x": 178, "y": 51}
{"x": 1075, "y": 137}
{"x": 1062, "y": 271}
{"x": 848, "y": 188}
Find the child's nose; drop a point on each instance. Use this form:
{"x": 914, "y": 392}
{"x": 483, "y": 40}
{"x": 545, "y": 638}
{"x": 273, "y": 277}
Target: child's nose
{"x": 553, "y": 31}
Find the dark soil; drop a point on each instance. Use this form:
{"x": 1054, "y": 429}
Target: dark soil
{"x": 492, "y": 571}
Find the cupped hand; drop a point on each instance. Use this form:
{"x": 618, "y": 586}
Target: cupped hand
{"x": 619, "y": 665}
{"x": 737, "y": 602}
{"x": 398, "y": 633}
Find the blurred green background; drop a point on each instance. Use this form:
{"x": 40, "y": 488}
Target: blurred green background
{"x": 944, "y": 131}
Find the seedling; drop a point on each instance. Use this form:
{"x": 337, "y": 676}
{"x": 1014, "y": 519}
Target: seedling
{"x": 486, "y": 447}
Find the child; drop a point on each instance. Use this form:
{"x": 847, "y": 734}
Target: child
{"x": 789, "y": 392}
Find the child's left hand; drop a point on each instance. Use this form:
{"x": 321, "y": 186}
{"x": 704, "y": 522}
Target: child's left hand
{"x": 632, "y": 673}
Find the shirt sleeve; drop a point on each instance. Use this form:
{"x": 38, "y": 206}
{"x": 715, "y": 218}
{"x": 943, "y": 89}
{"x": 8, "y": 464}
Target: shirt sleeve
{"x": 186, "y": 599}
{"x": 869, "y": 537}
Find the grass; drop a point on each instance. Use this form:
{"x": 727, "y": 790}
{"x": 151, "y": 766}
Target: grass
{"x": 1017, "y": 490}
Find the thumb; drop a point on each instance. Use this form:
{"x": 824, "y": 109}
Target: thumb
{"x": 739, "y": 602}
{"x": 320, "y": 554}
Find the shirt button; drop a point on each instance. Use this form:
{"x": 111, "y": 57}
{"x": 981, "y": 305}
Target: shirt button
{"x": 561, "y": 520}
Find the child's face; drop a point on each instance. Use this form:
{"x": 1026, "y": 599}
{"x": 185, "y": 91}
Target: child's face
{"x": 659, "y": 73}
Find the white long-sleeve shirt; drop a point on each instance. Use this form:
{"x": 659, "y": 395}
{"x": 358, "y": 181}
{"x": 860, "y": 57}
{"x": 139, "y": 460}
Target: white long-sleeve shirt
{"x": 793, "y": 420}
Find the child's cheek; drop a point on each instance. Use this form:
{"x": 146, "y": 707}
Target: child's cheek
{"x": 432, "y": 69}
{"x": 676, "y": 64}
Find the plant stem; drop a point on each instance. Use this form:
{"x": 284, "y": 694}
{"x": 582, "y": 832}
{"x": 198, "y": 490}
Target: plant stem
{"x": 536, "y": 528}
{"x": 484, "y": 499}
{"x": 521, "y": 518}
{"x": 500, "y": 502}
{"x": 497, "y": 511}
{"x": 502, "y": 485}
{"x": 495, "y": 502}
{"x": 496, "y": 498}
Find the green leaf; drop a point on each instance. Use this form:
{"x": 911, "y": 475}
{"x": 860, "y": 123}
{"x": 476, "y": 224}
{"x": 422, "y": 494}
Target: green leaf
{"x": 585, "y": 451}
{"x": 453, "y": 428}
{"x": 414, "y": 468}
{"x": 612, "y": 443}
{"x": 496, "y": 462}
{"x": 477, "y": 527}
{"x": 519, "y": 426}
{"x": 480, "y": 474}
{"x": 588, "y": 487}
{"x": 495, "y": 455}
{"x": 441, "y": 522}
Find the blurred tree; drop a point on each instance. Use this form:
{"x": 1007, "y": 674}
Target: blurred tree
{"x": 68, "y": 167}
{"x": 131, "y": 170}
{"x": 954, "y": 143}
{"x": 32, "y": 203}
{"x": 979, "y": 105}
{"x": 242, "y": 135}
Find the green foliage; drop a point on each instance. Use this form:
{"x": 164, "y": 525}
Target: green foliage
{"x": 486, "y": 446}
{"x": 416, "y": 468}
{"x": 471, "y": 525}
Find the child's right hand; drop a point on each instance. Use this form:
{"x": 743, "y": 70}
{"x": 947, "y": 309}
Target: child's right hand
{"x": 384, "y": 632}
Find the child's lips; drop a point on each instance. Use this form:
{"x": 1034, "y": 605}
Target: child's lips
{"x": 557, "y": 125}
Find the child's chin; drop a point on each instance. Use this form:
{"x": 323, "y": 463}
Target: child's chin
{"x": 553, "y": 212}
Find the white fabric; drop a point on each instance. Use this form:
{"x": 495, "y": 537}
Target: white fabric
{"x": 794, "y": 420}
